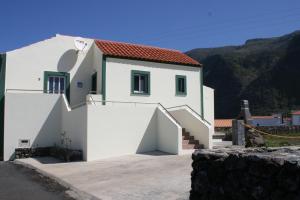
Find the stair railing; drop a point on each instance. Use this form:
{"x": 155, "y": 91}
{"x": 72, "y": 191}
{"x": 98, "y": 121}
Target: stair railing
{"x": 168, "y": 113}
{"x": 136, "y": 102}
{"x": 185, "y": 105}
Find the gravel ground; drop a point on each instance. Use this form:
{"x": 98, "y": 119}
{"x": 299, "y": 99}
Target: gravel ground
{"x": 18, "y": 182}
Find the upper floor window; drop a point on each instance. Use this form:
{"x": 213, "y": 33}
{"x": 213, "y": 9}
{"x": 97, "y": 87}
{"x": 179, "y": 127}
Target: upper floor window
{"x": 140, "y": 82}
{"x": 180, "y": 85}
{"x": 57, "y": 83}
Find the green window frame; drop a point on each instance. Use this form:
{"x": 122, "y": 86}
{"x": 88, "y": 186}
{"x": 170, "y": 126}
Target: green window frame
{"x": 143, "y": 87}
{"x": 66, "y": 75}
{"x": 180, "y": 85}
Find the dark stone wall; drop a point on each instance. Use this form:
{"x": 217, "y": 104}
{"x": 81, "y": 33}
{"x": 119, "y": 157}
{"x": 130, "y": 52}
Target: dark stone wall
{"x": 251, "y": 174}
{"x": 64, "y": 154}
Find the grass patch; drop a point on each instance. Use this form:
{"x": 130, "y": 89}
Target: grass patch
{"x": 279, "y": 142}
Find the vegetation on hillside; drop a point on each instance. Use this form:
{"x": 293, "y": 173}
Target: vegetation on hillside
{"x": 264, "y": 71}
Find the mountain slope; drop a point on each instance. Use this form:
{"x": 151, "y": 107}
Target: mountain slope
{"x": 264, "y": 71}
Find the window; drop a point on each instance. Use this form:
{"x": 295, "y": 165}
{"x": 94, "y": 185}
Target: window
{"x": 180, "y": 85}
{"x": 57, "y": 83}
{"x": 94, "y": 83}
{"x": 140, "y": 82}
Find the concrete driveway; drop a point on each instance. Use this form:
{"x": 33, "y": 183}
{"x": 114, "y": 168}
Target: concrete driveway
{"x": 143, "y": 176}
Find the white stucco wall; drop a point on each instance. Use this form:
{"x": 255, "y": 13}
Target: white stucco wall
{"x": 25, "y": 66}
{"x": 100, "y": 131}
{"x": 296, "y": 120}
{"x": 209, "y": 105}
{"x": 195, "y": 125}
{"x": 36, "y": 117}
{"x": 74, "y": 125}
{"x": 120, "y": 130}
{"x": 162, "y": 81}
{"x": 169, "y": 134}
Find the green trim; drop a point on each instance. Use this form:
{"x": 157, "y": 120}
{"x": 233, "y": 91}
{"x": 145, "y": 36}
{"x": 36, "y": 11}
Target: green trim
{"x": 64, "y": 74}
{"x": 2, "y": 101}
{"x": 147, "y": 73}
{"x": 201, "y": 93}
{"x": 177, "y": 92}
{"x": 103, "y": 85}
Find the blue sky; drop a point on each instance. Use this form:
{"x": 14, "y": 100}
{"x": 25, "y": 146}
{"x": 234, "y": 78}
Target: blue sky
{"x": 177, "y": 24}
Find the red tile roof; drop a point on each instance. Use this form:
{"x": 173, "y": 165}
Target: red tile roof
{"x": 296, "y": 112}
{"x": 223, "y": 123}
{"x": 146, "y": 53}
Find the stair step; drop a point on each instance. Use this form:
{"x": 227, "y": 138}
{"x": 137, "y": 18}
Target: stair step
{"x": 185, "y": 142}
{"x": 193, "y": 142}
{"x": 187, "y": 137}
{"x": 189, "y": 142}
{"x": 188, "y": 146}
{"x": 186, "y": 133}
{"x": 192, "y": 146}
{"x": 199, "y": 146}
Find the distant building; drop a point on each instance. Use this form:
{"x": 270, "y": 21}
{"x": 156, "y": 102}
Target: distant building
{"x": 287, "y": 121}
{"x": 273, "y": 120}
{"x": 296, "y": 118}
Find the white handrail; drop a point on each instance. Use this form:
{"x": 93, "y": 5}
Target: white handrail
{"x": 146, "y": 103}
{"x": 185, "y": 105}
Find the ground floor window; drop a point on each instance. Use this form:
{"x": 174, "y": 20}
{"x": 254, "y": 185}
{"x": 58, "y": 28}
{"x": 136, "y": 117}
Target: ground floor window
{"x": 140, "y": 82}
{"x": 57, "y": 83}
{"x": 180, "y": 85}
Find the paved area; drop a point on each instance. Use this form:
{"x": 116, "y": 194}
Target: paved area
{"x": 18, "y": 182}
{"x": 222, "y": 144}
{"x": 152, "y": 176}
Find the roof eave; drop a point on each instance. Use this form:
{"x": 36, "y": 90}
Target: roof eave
{"x": 199, "y": 65}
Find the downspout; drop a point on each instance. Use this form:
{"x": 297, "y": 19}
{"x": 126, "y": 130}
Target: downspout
{"x": 201, "y": 92}
{"x": 103, "y": 85}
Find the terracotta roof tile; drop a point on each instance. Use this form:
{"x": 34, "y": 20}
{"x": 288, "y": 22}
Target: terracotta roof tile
{"x": 223, "y": 123}
{"x": 296, "y": 112}
{"x": 147, "y": 53}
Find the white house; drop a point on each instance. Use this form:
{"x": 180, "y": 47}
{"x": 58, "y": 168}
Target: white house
{"x": 109, "y": 98}
{"x": 296, "y": 118}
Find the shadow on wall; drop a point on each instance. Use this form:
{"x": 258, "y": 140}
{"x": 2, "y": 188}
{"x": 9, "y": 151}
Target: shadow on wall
{"x": 50, "y": 126}
{"x": 84, "y": 75}
{"x": 149, "y": 139}
{"x": 50, "y": 131}
{"x": 67, "y": 61}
